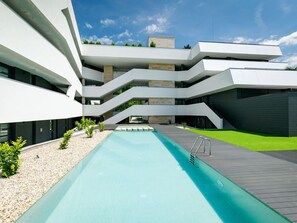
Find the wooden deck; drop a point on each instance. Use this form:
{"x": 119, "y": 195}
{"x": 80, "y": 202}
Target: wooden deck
{"x": 272, "y": 180}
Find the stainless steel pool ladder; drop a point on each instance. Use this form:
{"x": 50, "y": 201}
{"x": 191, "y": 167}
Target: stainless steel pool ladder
{"x": 199, "y": 142}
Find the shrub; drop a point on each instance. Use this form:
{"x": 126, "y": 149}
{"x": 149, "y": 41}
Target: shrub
{"x": 90, "y": 131}
{"x": 78, "y": 125}
{"x": 184, "y": 124}
{"x": 85, "y": 122}
{"x": 133, "y": 44}
{"x": 127, "y": 44}
{"x": 98, "y": 43}
{"x": 113, "y": 44}
{"x": 86, "y": 42}
{"x": 139, "y": 45}
{"x": 66, "y": 138}
{"x": 187, "y": 46}
{"x": 101, "y": 126}
{"x": 9, "y": 156}
{"x": 152, "y": 44}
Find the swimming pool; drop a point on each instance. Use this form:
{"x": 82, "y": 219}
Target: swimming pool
{"x": 145, "y": 177}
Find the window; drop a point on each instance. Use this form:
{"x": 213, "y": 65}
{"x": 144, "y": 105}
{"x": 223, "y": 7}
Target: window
{"x": 3, "y": 133}
{"x": 3, "y": 71}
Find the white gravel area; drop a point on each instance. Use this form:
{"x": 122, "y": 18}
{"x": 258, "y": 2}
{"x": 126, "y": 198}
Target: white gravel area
{"x": 37, "y": 175}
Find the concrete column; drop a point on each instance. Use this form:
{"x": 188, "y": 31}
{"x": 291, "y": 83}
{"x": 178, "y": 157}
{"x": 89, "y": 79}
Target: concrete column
{"x": 83, "y": 99}
{"x": 108, "y": 76}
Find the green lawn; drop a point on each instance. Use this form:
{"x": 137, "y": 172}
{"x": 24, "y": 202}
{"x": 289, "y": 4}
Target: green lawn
{"x": 250, "y": 140}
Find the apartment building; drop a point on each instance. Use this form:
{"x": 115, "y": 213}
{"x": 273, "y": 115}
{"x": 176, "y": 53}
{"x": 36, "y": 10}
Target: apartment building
{"x": 49, "y": 79}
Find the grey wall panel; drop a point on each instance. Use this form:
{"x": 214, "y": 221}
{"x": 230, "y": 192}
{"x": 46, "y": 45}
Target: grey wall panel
{"x": 42, "y": 131}
{"x": 266, "y": 113}
{"x": 61, "y": 127}
{"x": 292, "y": 97}
{"x": 24, "y": 129}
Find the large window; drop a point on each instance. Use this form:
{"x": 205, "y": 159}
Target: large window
{"x": 3, "y": 133}
{"x": 3, "y": 71}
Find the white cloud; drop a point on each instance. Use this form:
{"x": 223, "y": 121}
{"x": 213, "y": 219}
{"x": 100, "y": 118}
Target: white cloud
{"x": 102, "y": 40}
{"x": 159, "y": 26}
{"x": 286, "y": 8}
{"x": 288, "y": 40}
{"x": 88, "y": 25}
{"x": 107, "y": 22}
{"x": 241, "y": 39}
{"x": 258, "y": 16}
{"x": 125, "y": 34}
{"x": 291, "y": 60}
{"x": 154, "y": 28}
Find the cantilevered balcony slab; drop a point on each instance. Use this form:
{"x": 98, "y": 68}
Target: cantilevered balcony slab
{"x": 124, "y": 56}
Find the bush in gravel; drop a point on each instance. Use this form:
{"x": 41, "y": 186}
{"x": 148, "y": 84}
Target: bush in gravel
{"x": 90, "y": 131}
{"x": 78, "y": 125}
{"x": 9, "y": 156}
{"x": 184, "y": 124}
{"x": 101, "y": 126}
{"x": 66, "y": 138}
{"x": 85, "y": 122}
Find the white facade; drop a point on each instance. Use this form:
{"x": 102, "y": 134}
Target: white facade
{"x": 42, "y": 39}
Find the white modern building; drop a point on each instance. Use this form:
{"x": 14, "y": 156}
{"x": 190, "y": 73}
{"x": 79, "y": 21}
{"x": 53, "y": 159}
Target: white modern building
{"x": 48, "y": 79}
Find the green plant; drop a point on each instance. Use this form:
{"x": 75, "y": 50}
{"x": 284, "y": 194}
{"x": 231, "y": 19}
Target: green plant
{"x": 9, "y": 156}
{"x": 291, "y": 68}
{"x": 187, "y": 46}
{"x": 85, "y": 122}
{"x": 133, "y": 44}
{"x": 66, "y": 138}
{"x": 112, "y": 44}
{"x": 152, "y": 44}
{"x": 101, "y": 126}
{"x": 90, "y": 131}
{"x": 98, "y": 43}
{"x": 139, "y": 45}
{"x": 127, "y": 44}
{"x": 86, "y": 42}
{"x": 184, "y": 124}
{"x": 91, "y": 42}
{"x": 78, "y": 125}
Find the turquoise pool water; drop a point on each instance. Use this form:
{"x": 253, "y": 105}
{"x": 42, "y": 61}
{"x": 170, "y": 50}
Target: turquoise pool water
{"x": 144, "y": 177}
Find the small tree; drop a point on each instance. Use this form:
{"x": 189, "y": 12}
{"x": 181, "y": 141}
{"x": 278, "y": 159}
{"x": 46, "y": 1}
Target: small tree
{"x": 152, "y": 44}
{"x": 139, "y": 45}
{"x": 90, "y": 131}
{"x": 66, "y": 138}
{"x": 9, "y": 156}
{"x": 187, "y": 46}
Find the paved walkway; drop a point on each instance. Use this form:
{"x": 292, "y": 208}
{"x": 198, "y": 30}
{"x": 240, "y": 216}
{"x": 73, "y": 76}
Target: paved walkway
{"x": 272, "y": 180}
{"x": 284, "y": 155}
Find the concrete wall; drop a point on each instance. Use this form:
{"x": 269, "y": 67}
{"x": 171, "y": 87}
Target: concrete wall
{"x": 163, "y": 84}
{"x": 25, "y": 102}
{"x": 108, "y": 76}
{"x": 162, "y": 41}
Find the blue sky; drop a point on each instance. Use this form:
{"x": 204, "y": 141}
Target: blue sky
{"x": 271, "y": 22}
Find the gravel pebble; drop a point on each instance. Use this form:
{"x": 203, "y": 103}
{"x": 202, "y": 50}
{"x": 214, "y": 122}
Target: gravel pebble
{"x": 37, "y": 175}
